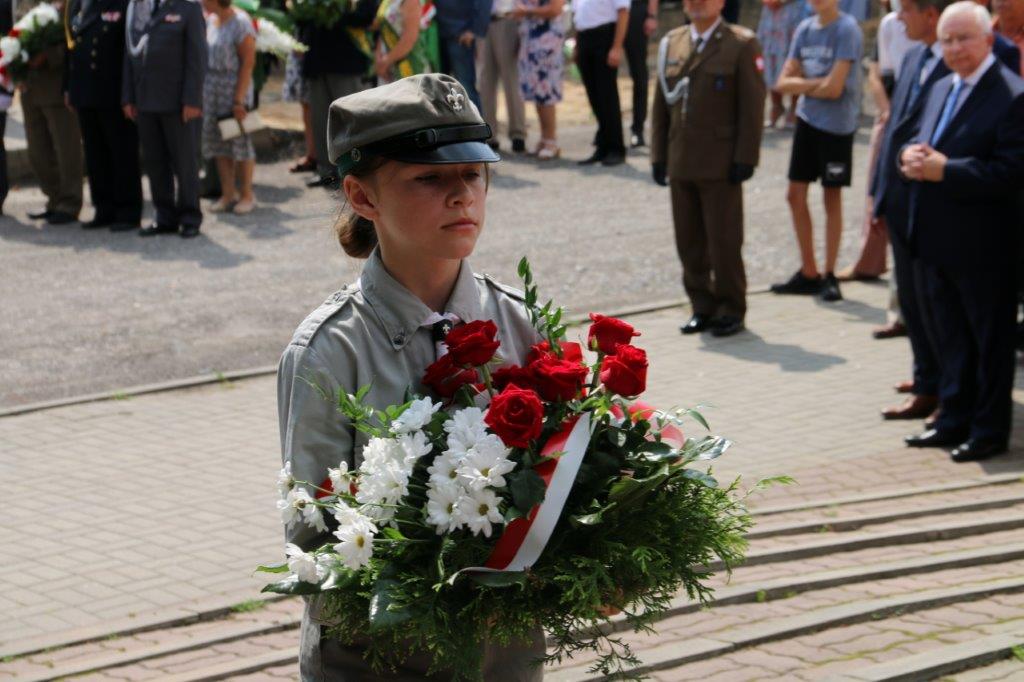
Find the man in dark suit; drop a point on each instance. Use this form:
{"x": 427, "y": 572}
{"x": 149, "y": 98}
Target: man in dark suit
{"x": 922, "y": 67}
{"x": 93, "y": 90}
{"x": 966, "y": 167}
{"x": 164, "y": 68}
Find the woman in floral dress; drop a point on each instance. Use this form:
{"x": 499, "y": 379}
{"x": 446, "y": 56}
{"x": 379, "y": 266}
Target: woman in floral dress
{"x": 540, "y": 65}
{"x": 779, "y": 19}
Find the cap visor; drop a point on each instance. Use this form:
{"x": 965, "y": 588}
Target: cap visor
{"x": 458, "y": 152}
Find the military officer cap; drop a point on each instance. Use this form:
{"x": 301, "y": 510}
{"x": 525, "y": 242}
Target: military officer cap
{"x": 420, "y": 119}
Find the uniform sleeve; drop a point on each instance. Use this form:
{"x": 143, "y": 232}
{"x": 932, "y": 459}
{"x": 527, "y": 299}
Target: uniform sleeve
{"x": 314, "y": 436}
{"x": 127, "y": 79}
{"x": 750, "y": 89}
{"x": 195, "y": 57}
{"x": 660, "y": 120}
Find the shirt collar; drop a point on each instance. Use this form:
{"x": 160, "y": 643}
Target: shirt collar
{"x": 706, "y": 35}
{"x": 398, "y": 309}
{"x": 973, "y": 79}
{"x": 936, "y": 49}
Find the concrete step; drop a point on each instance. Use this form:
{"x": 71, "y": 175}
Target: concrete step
{"x": 1007, "y": 669}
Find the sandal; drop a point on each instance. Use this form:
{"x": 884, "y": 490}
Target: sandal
{"x": 244, "y": 206}
{"x": 306, "y": 165}
{"x": 548, "y": 150}
{"x": 221, "y": 206}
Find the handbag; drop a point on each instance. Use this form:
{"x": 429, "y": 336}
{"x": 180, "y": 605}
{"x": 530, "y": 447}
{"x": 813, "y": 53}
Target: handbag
{"x": 230, "y": 127}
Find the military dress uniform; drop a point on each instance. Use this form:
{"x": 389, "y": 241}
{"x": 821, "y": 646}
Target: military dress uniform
{"x": 376, "y": 332}
{"x": 707, "y": 119}
{"x": 95, "y": 64}
{"x": 164, "y": 69}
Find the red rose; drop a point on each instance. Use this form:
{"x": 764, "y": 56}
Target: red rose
{"x": 516, "y": 415}
{"x": 445, "y": 379}
{"x": 570, "y": 351}
{"x": 625, "y": 372}
{"x": 511, "y": 375}
{"x": 608, "y": 332}
{"x": 15, "y": 32}
{"x": 558, "y": 380}
{"x": 472, "y": 344}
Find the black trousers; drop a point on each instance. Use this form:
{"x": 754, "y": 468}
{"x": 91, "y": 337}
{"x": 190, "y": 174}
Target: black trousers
{"x": 112, "y": 162}
{"x": 636, "y": 55}
{"x": 920, "y": 326}
{"x": 170, "y": 152}
{"x": 4, "y": 182}
{"x": 592, "y": 48}
{"x": 975, "y": 321}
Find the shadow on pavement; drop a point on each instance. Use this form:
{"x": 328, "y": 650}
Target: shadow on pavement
{"x": 265, "y": 222}
{"x": 275, "y": 194}
{"x": 204, "y": 251}
{"x": 854, "y": 311}
{"x": 753, "y": 348}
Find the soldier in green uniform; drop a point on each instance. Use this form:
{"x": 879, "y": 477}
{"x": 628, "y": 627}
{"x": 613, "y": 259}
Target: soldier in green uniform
{"x": 412, "y": 158}
{"x": 707, "y": 120}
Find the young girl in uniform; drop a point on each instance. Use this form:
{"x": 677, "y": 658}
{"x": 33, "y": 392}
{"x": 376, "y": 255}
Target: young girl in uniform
{"x": 412, "y": 156}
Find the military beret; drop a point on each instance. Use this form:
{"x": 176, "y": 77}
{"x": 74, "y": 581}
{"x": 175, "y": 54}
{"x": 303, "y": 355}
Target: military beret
{"x": 427, "y": 118}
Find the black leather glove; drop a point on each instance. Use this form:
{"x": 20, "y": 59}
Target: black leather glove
{"x": 658, "y": 173}
{"x": 740, "y": 172}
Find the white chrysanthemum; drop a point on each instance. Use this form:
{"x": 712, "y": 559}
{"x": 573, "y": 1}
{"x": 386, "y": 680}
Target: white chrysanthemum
{"x": 341, "y": 478}
{"x": 416, "y": 416}
{"x": 443, "y": 504}
{"x": 269, "y": 38}
{"x": 379, "y": 453}
{"x": 485, "y": 468}
{"x": 297, "y": 504}
{"x": 478, "y": 510}
{"x": 40, "y": 15}
{"x": 285, "y": 480}
{"x": 465, "y": 428}
{"x": 415, "y": 445}
{"x": 355, "y": 546}
{"x": 10, "y": 49}
{"x": 350, "y": 516}
{"x": 304, "y": 564}
{"x": 444, "y": 468}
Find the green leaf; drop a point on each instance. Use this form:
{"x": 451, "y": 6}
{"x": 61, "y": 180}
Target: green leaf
{"x": 273, "y": 568}
{"x": 513, "y": 513}
{"x": 392, "y": 533}
{"x": 706, "y": 479}
{"x": 616, "y": 437}
{"x": 523, "y": 268}
{"x": 628, "y": 490}
{"x": 589, "y": 519}
{"x": 384, "y": 613}
{"x": 697, "y": 416}
{"x": 527, "y": 489}
{"x": 292, "y": 585}
{"x": 499, "y": 579}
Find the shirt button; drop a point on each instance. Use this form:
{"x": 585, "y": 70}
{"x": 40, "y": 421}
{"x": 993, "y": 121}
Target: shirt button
{"x": 399, "y": 339}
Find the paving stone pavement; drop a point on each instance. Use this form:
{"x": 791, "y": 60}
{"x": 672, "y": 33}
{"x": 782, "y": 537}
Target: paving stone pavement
{"x": 165, "y": 501}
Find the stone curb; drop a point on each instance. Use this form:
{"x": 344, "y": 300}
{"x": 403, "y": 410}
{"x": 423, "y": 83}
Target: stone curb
{"x": 228, "y": 634}
{"x": 841, "y": 524}
{"x": 947, "y": 659}
{"x": 673, "y": 654}
{"x": 997, "y": 479}
{"x": 946, "y": 531}
{"x": 228, "y": 670}
{"x": 166, "y": 618}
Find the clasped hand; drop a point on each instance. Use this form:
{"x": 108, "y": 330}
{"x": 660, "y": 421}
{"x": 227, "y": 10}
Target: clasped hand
{"x": 923, "y": 163}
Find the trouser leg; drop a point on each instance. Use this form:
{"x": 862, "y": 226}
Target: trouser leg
{"x": 122, "y": 139}
{"x": 319, "y": 106}
{"x": 182, "y": 140}
{"x": 99, "y": 164}
{"x": 41, "y": 153}
{"x": 157, "y": 164}
{"x": 588, "y": 76}
{"x": 722, "y": 206}
{"x": 487, "y": 76}
{"x": 636, "y": 55}
{"x": 925, "y": 360}
{"x": 958, "y": 385}
{"x": 67, "y": 149}
{"x": 506, "y": 54}
{"x": 692, "y": 245}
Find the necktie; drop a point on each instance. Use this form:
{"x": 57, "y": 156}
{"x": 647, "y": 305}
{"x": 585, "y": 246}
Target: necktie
{"x": 947, "y": 110}
{"x": 699, "y": 43}
{"x": 916, "y": 84}
{"x": 439, "y": 326}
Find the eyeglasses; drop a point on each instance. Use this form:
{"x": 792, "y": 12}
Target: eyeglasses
{"x": 962, "y": 39}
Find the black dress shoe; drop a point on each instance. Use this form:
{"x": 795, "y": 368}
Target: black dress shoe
{"x": 613, "y": 159}
{"x": 726, "y": 325}
{"x": 933, "y": 438}
{"x": 39, "y": 215}
{"x": 518, "y": 145}
{"x": 156, "y": 228}
{"x": 123, "y": 226}
{"x": 636, "y": 141}
{"x": 189, "y": 231}
{"x": 975, "y": 449}
{"x": 60, "y": 218}
{"x": 97, "y": 223}
{"x": 596, "y": 157}
{"x": 323, "y": 181}
{"x": 697, "y": 324}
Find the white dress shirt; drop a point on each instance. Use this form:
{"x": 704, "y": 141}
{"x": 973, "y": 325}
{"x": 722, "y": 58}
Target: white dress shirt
{"x": 971, "y": 81}
{"x": 588, "y": 14}
{"x": 705, "y": 36}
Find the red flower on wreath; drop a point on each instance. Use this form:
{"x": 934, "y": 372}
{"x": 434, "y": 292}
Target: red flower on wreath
{"x": 473, "y": 344}
{"x": 625, "y": 372}
{"x": 445, "y": 379}
{"x": 516, "y": 415}
{"x": 608, "y": 332}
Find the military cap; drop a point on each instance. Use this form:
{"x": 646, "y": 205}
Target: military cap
{"x": 420, "y": 119}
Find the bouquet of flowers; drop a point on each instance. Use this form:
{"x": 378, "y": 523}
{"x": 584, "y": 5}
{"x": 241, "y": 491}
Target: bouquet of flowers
{"x": 272, "y": 40}
{"x": 324, "y": 13}
{"x": 39, "y": 29}
{"x": 536, "y": 495}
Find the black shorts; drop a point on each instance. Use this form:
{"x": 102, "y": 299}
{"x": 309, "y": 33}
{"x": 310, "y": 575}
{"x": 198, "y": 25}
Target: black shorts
{"x": 819, "y": 154}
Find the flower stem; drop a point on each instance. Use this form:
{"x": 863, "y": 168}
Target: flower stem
{"x": 487, "y": 380}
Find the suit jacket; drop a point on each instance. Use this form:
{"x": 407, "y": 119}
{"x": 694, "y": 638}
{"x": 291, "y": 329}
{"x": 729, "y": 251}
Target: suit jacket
{"x": 1006, "y": 52}
{"x": 888, "y": 188}
{"x": 724, "y": 115}
{"x": 95, "y": 63}
{"x": 969, "y": 220}
{"x": 168, "y": 74}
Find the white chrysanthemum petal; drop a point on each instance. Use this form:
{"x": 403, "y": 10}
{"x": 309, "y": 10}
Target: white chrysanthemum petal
{"x": 479, "y": 511}
{"x": 485, "y": 468}
{"x": 341, "y": 478}
{"x": 415, "y": 445}
{"x": 304, "y": 564}
{"x": 442, "y": 506}
{"x": 444, "y": 469}
{"x": 355, "y": 546}
{"x": 285, "y": 480}
{"x": 416, "y": 416}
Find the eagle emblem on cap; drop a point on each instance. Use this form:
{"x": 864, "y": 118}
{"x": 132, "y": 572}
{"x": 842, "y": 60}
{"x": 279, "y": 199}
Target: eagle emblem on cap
{"x": 455, "y": 99}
